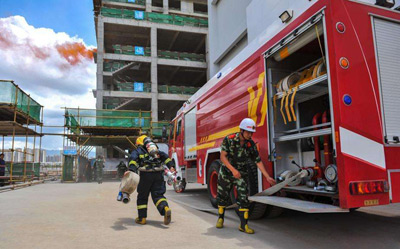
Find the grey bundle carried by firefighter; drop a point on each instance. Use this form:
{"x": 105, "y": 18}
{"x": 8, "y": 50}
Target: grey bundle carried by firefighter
{"x": 128, "y": 185}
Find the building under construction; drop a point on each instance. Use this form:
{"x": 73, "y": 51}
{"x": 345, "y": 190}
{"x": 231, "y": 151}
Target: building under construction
{"x": 151, "y": 54}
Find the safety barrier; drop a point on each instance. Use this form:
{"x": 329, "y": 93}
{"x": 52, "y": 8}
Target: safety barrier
{"x": 145, "y": 51}
{"x": 10, "y": 92}
{"x": 154, "y": 17}
{"x": 131, "y": 50}
{"x": 181, "y": 56}
{"x": 158, "y": 128}
{"x": 133, "y": 86}
{"x": 76, "y": 118}
{"x": 31, "y": 169}
{"x": 111, "y": 66}
{"x": 146, "y": 87}
{"x": 139, "y": 2}
{"x": 189, "y": 90}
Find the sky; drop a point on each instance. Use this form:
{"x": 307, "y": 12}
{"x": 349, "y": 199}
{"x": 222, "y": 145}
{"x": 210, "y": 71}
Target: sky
{"x": 46, "y": 47}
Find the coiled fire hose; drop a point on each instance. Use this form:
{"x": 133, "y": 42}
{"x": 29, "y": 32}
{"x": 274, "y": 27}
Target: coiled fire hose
{"x": 272, "y": 190}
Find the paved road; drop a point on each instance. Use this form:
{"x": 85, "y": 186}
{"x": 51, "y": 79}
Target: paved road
{"x": 86, "y": 215}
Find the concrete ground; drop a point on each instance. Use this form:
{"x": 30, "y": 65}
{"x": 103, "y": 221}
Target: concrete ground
{"x": 86, "y": 215}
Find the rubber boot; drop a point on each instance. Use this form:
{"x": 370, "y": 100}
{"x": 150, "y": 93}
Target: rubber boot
{"x": 119, "y": 197}
{"x": 244, "y": 216}
{"x": 221, "y": 213}
{"x": 167, "y": 215}
{"x": 141, "y": 221}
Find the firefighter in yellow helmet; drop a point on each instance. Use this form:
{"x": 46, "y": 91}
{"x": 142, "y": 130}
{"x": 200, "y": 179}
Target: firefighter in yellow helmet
{"x": 149, "y": 161}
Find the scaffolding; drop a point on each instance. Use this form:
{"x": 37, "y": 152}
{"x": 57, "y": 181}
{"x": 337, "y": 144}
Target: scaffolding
{"x": 85, "y": 129}
{"x": 18, "y": 113}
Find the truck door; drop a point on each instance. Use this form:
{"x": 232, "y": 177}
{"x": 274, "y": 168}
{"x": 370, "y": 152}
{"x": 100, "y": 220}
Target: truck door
{"x": 176, "y": 141}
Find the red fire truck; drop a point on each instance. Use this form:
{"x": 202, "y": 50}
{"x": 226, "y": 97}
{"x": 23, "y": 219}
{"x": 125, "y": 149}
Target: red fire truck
{"x": 324, "y": 92}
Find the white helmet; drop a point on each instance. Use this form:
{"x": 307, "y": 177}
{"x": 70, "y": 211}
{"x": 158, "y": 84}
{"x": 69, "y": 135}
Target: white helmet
{"x": 248, "y": 124}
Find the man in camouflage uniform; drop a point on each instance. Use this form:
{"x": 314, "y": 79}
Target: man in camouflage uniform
{"x": 99, "y": 169}
{"x": 236, "y": 150}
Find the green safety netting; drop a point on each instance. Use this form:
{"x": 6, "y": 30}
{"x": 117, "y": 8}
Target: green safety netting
{"x": 10, "y": 92}
{"x": 189, "y": 90}
{"x": 32, "y": 169}
{"x": 155, "y": 17}
{"x": 68, "y": 168}
{"x": 130, "y": 50}
{"x": 111, "y": 66}
{"x": 129, "y": 87}
{"x": 106, "y": 118}
{"x": 157, "y": 128}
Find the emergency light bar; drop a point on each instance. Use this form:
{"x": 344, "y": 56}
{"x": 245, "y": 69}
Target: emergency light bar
{"x": 369, "y": 187}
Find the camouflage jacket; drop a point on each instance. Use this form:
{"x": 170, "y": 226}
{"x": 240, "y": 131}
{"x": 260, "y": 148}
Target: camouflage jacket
{"x": 239, "y": 155}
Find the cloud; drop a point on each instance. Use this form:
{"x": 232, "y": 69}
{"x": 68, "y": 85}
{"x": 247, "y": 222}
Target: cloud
{"x": 57, "y": 70}
{"x": 40, "y": 59}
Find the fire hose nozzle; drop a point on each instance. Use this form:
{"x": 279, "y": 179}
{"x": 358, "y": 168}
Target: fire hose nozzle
{"x": 125, "y": 198}
{"x": 171, "y": 176}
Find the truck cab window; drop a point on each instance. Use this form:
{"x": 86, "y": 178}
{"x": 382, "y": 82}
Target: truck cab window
{"x": 178, "y": 128}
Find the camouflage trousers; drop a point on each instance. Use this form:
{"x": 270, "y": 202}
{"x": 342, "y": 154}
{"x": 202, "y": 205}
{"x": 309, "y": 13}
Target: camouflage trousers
{"x": 99, "y": 174}
{"x": 225, "y": 183}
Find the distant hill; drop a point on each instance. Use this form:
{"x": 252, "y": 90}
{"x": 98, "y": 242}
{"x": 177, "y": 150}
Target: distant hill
{"x": 57, "y": 152}
{"x": 52, "y": 152}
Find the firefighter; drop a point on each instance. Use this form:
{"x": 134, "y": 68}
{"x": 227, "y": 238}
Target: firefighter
{"x": 149, "y": 161}
{"x": 121, "y": 168}
{"x": 88, "y": 172}
{"x": 236, "y": 150}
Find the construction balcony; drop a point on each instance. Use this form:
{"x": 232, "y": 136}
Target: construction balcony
{"x": 174, "y": 7}
{"x": 130, "y": 43}
{"x": 144, "y": 19}
{"x": 125, "y": 3}
{"x": 124, "y": 71}
{"x": 166, "y": 111}
{"x": 181, "y": 45}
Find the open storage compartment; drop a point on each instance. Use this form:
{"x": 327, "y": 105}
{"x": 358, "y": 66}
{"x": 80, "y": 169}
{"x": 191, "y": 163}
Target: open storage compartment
{"x": 300, "y": 128}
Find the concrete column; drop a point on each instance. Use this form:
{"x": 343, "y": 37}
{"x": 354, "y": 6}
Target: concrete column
{"x": 187, "y": 6}
{"x": 165, "y": 7}
{"x": 154, "y": 76}
{"x": 148, "y": 6}
{"x": 100, "y": 56}
{"x": 207, "y": 56}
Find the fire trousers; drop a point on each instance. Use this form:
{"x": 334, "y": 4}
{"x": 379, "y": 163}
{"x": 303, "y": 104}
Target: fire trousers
{"x": 151, "y": 182}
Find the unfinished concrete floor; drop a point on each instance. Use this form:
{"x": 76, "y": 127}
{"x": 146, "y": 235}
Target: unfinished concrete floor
{"x": 86, "y": 215}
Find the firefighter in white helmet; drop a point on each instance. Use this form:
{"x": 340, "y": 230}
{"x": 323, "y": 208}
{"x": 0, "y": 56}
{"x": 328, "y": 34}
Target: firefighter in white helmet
{"x": 236, "y": 150}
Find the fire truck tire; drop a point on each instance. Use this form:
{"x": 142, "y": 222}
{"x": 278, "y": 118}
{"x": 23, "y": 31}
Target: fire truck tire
{"x": 273, "y": 211}
{"x": 352, "y": 210}
{"x": 256, "y": 210}
{"x": 212, "y": 182}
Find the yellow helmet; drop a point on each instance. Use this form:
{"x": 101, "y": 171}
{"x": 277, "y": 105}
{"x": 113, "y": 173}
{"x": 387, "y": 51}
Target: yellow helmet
{"x": 139, "y": 140}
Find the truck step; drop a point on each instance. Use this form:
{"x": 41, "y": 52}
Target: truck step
{"x": 298, "y": 205}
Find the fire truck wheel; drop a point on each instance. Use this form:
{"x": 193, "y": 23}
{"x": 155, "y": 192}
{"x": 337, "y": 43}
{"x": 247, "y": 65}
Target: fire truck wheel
{"x": 256, "y": 210}
{"x": 212, "y": 182}
{"x": 273, "y": 211}
{"x": 352, "y": 210}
